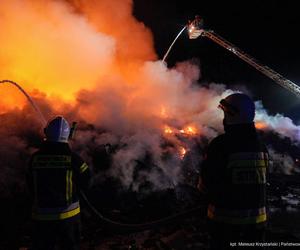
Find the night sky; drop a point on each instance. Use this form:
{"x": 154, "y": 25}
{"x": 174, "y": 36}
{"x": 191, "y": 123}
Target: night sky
{"x": 267, "y": 30}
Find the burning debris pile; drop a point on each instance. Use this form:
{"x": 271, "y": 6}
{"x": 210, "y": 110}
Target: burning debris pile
{"x": 109, "y": 84}
{"x": 142, "y": 126}
{"x": 108, "y": 80}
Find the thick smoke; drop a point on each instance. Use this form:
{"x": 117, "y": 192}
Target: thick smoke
{"x": 93, "y": 62}
{"x": 283, "y": 126}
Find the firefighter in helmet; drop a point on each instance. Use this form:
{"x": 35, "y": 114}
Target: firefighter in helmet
{"x": 233, "y": 177}
{"x": 55, "y": 176}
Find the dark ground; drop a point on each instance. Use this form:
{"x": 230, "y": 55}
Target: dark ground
{"x": 188, "y": 231}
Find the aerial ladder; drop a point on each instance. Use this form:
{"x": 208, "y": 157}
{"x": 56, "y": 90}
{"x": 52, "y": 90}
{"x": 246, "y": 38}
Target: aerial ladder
{"x": 195, "y": 30}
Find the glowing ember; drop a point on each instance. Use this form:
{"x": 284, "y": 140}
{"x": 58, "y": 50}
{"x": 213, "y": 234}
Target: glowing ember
{"x": 189, "y": 130}
{"x": 168, "y": 130}
{"x": 182, "y": 152}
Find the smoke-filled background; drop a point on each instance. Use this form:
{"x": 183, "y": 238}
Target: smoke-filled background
{"x": 94, "y": 63}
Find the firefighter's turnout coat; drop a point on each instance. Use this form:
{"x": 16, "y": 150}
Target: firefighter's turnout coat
{"x": 233, "y": 176}
{"x": 55, "y": 176}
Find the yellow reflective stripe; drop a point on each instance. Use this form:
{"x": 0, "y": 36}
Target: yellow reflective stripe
{"x": 234, "y": 220}
{"x": 231, "y": 216}
{"x": 247, "y": 163}
{"x": 83, "y": 167}
{"x": 67, "y": 186}
{"x": 230, "y": 212}
{"x": 60, "y": 216}
{"x": 71, "y": 187}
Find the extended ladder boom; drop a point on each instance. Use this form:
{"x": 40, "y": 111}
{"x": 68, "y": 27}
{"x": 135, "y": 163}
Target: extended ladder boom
{"x": 195, "y": 29}
{"x": 253, "y": 62}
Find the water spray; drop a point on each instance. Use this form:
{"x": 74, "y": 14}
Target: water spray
{"x": 171, "y": 46}
{"x": 35, "y": 107}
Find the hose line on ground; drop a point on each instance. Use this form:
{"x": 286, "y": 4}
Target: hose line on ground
{"x": 138, "y": 226}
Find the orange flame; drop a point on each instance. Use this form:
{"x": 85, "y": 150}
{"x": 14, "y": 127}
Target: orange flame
{"x": 189, "y": 130}
{"x": 168, "y": 130}
{"x": 61, "y": 47}
{"x": 182, "y": 152}
{"x": 261, "y": 125}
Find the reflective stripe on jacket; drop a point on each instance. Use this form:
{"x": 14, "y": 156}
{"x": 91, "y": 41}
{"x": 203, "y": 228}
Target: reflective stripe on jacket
{"x": 242, "y": 216}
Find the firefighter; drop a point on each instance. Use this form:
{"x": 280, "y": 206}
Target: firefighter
{"x": 233, "y": 177}
{"x": 55, "y": 176}
{"x": 198, "y": 22}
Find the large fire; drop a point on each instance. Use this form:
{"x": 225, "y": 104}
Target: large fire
{"x": 48, "y": 46}
{"x": 95, "y": 63}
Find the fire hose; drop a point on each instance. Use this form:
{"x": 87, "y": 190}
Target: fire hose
{"x": 137, "y": 226}
{"x": 43, "y": 120}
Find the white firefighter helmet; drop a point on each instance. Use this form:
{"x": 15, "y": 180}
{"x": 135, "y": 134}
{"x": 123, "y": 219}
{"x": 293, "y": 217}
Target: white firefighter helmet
{"x": 57, "y": 130}
{"x": 238, "y": 109}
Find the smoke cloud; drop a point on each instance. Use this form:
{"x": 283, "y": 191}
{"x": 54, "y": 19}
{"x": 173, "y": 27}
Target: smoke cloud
{"x": 283, "y": 126}
{"x": 93, "y": 62}
{"x": 45, "y": 45}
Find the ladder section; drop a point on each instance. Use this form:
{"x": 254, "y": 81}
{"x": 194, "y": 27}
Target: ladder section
{"x": 253, "y": 62}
